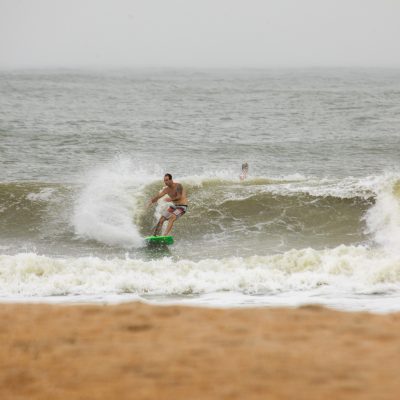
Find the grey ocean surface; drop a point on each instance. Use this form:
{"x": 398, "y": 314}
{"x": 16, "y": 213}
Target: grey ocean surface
{"x": 319, "y": 122}
{"x": 317, "y": 219}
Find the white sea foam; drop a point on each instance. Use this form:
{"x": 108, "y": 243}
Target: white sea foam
{"x": 294, "y": 184}
{"x": 346, "y": 188}
{"x": 44, "y": 195}
{"x": 106, "y": 207}
{"x": 345, "y": 269}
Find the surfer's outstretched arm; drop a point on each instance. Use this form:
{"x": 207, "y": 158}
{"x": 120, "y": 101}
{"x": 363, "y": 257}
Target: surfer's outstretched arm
{"x": 157, "y": 197}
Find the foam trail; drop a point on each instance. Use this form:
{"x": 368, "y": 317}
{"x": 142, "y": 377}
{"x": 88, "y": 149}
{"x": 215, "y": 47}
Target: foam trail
{"x": 105, "y": 208}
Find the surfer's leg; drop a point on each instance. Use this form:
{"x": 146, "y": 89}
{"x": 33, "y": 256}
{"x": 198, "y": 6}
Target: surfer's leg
{"x": 171, "y": 221}
{"x": 158, "y": 227}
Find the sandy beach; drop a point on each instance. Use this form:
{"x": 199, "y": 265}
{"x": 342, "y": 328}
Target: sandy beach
{"x": 137, "y": 351}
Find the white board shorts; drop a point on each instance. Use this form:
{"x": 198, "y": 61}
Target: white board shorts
{"x": 173, "y": 209}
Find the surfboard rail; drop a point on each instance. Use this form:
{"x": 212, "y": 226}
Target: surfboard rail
{"x": 166, "y": 240}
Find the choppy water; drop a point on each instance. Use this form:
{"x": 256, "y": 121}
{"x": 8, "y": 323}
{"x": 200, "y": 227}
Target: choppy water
{"x": 317, "y": 220}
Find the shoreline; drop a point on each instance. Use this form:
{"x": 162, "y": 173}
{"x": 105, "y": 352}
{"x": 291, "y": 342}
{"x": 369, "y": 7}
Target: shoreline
{"x": 139, "y": 351}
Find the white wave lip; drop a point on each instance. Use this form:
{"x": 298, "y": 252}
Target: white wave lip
{"x": 345, "y": 269}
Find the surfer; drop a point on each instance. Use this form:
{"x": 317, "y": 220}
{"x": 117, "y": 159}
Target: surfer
{"x": 245, "y": 170}
{"x": 176, "y": 195}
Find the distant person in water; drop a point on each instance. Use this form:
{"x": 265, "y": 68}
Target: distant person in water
{"x": 245, "y": 170}
{"x": 176, "y": 195}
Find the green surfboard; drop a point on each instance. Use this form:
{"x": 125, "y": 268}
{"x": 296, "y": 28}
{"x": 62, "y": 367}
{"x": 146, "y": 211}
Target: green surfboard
{"x": 159, "y": 240}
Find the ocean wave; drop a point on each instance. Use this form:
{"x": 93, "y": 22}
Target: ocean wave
{"x": 109, "y": 207}
{"x": 350, "y": 269}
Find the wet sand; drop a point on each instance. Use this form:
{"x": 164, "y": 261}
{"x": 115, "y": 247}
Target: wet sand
{"x": 136, "y": 351}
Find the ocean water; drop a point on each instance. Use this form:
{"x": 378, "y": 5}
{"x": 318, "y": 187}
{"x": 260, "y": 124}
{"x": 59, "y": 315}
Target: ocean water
{"x": 317, "y": 221}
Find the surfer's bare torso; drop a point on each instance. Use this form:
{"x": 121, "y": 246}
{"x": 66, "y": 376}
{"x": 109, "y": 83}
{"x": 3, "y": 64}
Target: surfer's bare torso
{"x": 176, "y": 193}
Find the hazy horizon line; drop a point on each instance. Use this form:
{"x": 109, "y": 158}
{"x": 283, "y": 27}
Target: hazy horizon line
{"x": 189, "y": 67}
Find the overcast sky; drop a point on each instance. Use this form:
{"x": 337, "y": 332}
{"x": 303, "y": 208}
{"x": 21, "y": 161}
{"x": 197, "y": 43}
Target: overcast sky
{"x": 199, "y": 33}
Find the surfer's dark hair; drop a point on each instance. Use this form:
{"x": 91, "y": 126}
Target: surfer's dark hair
{"x": 169, "y": 176}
